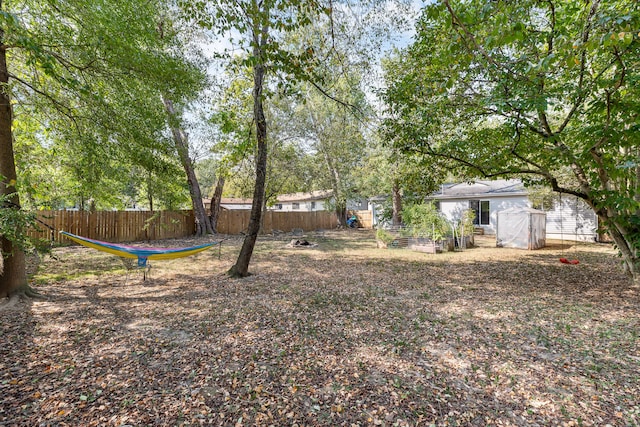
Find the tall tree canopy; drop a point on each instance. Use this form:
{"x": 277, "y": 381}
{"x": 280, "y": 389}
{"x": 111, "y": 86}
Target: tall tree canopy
{"x": 83, "y": 78}
{"x": 531, "y": 89}
{"x": 336, "y": 140}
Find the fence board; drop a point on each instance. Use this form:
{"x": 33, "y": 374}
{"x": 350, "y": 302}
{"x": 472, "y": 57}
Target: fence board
{"x": 365, "y": 218}
{"x": 114, "y": 226}
{"x": 129, "y": 226}
{"x": 235, "y": 221}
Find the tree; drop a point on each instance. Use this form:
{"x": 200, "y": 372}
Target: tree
{"x": 260, "y": 24}
{"x": 13, "y": 272}
{"x": 212, "y": 177}
{"x": 215, "y": 205}
{"x": 262, "y": 29}
{"x": 531, "y": 89}
{"x": 91, "y": 72}
{"x": 337, "y": 140}
{"x": 405, "y": 178}
{"x": 236, "y": 145}
{"x": 203, "y": 225}
{"x": 180, "y": 138}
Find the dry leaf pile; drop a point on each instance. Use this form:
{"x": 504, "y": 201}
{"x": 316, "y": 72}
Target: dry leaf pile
{"x": 341, "y": 334}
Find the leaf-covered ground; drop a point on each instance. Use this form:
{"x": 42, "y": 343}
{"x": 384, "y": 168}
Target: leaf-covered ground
{"x": 338, "y": 334}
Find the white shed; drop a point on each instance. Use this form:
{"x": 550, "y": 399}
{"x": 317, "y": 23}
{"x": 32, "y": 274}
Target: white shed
{"x": 522, "y": 228}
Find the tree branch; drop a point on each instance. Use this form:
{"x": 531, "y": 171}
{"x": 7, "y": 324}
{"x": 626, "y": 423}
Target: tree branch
{"x": 64, "y": 109}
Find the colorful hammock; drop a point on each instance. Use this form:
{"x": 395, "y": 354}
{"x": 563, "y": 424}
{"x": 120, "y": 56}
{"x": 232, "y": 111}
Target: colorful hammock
{"x": 141, "y": 254}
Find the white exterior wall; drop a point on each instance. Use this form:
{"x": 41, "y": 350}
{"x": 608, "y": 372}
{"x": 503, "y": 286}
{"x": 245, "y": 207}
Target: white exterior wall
{"x": 453, "y": 209}
{"x": 376, "y": 213}
{"x": 572, "y": 220}
{"x": 305, "y": 206}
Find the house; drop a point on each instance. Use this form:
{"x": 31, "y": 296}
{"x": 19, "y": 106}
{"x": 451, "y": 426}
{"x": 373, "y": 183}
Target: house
{"x": 305, "y": 202}
{"x": 569, "y": 218}
{"x": 572, "y": 219}
{"x": 299, "y": 202}
{"x": 485, "y": 198}
{"x": 230, "y": 203}
{"x": 295, "y": 202}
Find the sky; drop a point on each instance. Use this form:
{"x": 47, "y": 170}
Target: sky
{"x": 211, "y": 45}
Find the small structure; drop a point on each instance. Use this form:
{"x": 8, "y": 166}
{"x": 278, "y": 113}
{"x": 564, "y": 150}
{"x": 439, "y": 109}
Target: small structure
{"x": 522, "y": 228}
{"x": 568, "y": 218}
{"x": 484, "y": 198}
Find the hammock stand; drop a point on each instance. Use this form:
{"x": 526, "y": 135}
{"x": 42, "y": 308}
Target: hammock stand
{"x": 130, "y": 254}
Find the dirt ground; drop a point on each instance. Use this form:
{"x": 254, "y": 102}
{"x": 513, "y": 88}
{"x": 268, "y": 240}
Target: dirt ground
{"x": 339, "y": 334}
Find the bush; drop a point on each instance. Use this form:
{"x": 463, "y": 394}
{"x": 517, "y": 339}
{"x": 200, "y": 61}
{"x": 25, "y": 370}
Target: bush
{"x": 384, "y": 236}
{"x": 424, "y": 220}
{"x": 14, "y": 224}
{"x": 467, "y": 222}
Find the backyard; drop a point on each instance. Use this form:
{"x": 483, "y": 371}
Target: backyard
{"x": 340, "y": 333}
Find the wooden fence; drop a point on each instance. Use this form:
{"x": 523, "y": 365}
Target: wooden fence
{"x": 115, "y": 226}
{"x": 131, "y": 226}
{"x": 236, "y": 221}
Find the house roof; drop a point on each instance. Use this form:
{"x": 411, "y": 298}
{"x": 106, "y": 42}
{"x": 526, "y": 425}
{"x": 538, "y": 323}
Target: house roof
{"x": 283, "y": 198}
{"x": 304, "y": 197}
{"x": 230, "y": 201}
{"x": 479, "y": 189}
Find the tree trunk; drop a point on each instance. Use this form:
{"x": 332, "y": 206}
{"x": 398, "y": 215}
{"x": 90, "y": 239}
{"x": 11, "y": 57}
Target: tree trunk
{"x": 214, "y": 206}
{"x": 629, "y": 255}
{"x": 336, "y": 185}
{"x": 341, "y": 212}
{"x": 203, "y": 226}
{"x": 13, "y": 274}
{"x": 263, "y": 215}
{"x": 241, "y": 267}
{"x": 396, "y": 216}
{"x": 637, "y": 182}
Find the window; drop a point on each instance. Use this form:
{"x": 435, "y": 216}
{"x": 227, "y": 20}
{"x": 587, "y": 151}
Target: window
{"x": 484, "y": 212}
{"x": 279, "y": 206}
{"x": 481, "y": 210}
{"x": 295, "y": 206}
{"x": 313, "y": 205}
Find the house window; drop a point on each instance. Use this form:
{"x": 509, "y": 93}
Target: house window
{"x": 279, "y": 206}
{"x": 313, "y": 205}
{"x": 436, "y": 205}
{"x": 295, "y": 206}
{"x": 481, "y": 210}
{"x": 484, "y": 212}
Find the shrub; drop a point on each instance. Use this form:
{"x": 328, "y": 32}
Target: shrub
{"x": 424, "y": 220}
{"x": 384, "y": 236}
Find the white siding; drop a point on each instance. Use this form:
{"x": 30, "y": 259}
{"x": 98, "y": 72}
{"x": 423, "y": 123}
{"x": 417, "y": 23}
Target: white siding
{"x": 572, "y": 220}
{"x": 453, "y": 209}
{"x": 302, "y": 206}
